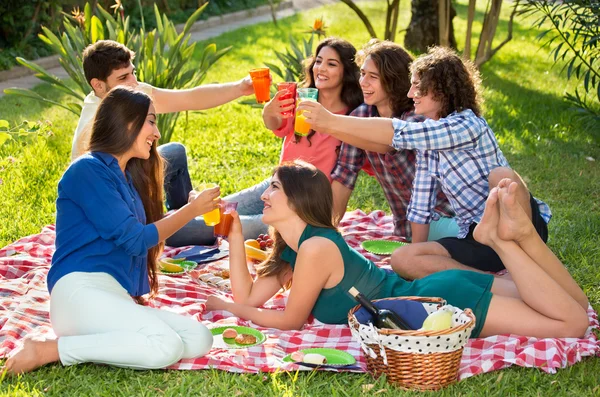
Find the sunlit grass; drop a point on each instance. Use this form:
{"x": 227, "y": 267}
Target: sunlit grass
{"x": 523, "y": 104}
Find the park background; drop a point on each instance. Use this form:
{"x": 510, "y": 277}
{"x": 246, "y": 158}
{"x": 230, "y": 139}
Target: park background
{"x": 555, "y": 151}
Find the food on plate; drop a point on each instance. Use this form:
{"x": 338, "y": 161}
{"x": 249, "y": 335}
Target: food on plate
{"x": 168, "y": 266}
{"x": 245, "y": 339}
{"x": 222, "y": 273}
{"x": 252, "y": 243}
{"x": 265, "y": 241}
{"x": 297, "y": 356}
{"x": 230, "y": 333}
{"x": 224, "y": 283}
{"x": 254, "y": 253}
{"x": 314, "y": 358}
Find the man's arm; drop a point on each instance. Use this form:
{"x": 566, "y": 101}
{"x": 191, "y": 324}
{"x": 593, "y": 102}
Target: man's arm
{"x": 378, "y": 130}
{"x": 362, "y": 143}
{"x": 202, "y": 97}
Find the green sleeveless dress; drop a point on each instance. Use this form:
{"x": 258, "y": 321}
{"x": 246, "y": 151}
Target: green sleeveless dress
{"x": 460, "y": 288}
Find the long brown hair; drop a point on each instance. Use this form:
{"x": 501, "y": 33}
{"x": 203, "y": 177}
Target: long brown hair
{"x": 119, "y": 119}
{"x": 392, "y": 63}
{"x": 454, "y": 81}
{"x": 309, "y": 194}
{"x": 351, "y": 92}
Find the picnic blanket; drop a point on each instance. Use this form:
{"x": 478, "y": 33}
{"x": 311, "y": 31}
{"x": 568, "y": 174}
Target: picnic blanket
{"x": 24, "y": 304}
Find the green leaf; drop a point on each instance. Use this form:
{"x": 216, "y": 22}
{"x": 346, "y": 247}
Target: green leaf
{"x": 4, "y": 124}
{"x": 97, "y": 29}
{"x": 87, "y": 12}
{"x": 33, "y": 95}
{"x": 4, "y": 136}
{"x": 193, "y": 18}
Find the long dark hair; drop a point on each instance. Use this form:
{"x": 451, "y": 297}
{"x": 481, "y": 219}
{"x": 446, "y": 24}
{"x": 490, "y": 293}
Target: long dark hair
{"x": 309, "y": 194}
{"x": 393, "y": 63}
{"x": 119, "y": 119}
{"x": 351, "y": 92}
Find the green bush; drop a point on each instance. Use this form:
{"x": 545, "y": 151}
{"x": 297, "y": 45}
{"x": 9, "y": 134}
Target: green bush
{"x": 573, "y": 39}
{"x": 162, "y": 56}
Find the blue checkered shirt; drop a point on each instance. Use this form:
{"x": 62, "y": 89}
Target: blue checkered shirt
{"x": 457, "y": 154}
{"x": 394, "y": 170}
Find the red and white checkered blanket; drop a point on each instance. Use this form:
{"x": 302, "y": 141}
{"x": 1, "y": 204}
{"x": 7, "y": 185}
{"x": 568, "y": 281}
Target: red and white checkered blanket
{"x": 24, "y": 311}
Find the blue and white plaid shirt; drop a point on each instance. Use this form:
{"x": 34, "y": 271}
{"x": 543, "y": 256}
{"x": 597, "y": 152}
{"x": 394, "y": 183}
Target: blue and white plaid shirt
{"x": 457, "y": 154}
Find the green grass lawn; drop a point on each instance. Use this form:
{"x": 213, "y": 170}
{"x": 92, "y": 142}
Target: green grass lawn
{"x": 229, "y": 145}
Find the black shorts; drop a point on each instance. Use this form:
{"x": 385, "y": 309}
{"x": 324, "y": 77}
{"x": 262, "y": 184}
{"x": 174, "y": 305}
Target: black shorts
{"x": 479, "y": 256}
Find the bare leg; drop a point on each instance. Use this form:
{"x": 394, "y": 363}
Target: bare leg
{"x": 33, "y": 354}
{"x": 545, "y": 308}
{"x": 501, "y": 176}
{"x": 514, "y": 226}
{"x": 421, "y": 259}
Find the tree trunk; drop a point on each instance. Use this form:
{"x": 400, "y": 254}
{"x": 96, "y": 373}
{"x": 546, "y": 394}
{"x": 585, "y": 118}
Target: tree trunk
{"x": 423, "y": 30}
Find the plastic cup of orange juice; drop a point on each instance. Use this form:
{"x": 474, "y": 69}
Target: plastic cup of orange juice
{"x": 224, "y": 226}
{"x": 213, "y": 217}
{"x": 290, "y": 92}
{"x": 261, "y": 81}
{"x": 301, "y": 127}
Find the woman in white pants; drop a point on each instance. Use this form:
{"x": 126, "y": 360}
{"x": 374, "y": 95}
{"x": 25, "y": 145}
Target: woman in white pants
{"x": 110, "y": 226}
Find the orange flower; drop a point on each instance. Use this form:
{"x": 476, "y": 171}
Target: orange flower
{"x": 318, "y": 27}
{"x": 319, "y": 24}
{"x": 117, "y": 5}
{"x": 78, "y": 16}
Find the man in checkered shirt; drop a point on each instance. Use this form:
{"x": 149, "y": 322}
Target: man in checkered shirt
{"x": 456, "y": 151}
{"x": 385, "y": 83}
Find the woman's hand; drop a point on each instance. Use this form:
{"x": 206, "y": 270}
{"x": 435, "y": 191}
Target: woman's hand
{"x": 205, "y": 201}
{"x": 276, "y": 107}
{"x": 236, "y": 225}
{"x": 316, "y": 115}
{"x": 214, "y": 302}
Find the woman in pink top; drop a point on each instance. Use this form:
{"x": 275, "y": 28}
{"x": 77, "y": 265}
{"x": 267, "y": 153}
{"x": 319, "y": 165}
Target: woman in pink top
{"x": 333, "y": 71}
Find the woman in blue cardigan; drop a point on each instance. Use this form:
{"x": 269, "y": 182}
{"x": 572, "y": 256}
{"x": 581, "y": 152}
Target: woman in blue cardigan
{"x": 110, "y": 227}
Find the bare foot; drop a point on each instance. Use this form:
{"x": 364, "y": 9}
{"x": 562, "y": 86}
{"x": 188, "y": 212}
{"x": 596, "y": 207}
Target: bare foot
{"x": 33, "y": 354}
{"x": 514, "y": 223}
{"x": 486, "y": 230}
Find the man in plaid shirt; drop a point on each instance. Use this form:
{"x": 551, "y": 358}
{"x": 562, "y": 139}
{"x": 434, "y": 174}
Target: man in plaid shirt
{"x": 385, "y": 83}
{"x": 456, "y": 151}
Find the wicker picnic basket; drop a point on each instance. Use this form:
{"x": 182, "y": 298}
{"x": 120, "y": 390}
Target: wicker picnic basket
{"x": 411, "y": 359}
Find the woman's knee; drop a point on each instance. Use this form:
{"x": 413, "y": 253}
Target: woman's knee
{"x": 577, "y": 327}
{"x": 197, "y": 342}
{"x": 401, "y": 259}
{"x": 499, "y": 173}
{"x": 166, "y": 349}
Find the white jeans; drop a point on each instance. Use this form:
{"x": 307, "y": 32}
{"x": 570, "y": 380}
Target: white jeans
{"x": 96, "y": 320}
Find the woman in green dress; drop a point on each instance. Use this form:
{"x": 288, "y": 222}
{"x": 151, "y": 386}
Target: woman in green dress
{"x": 542, "y": 301}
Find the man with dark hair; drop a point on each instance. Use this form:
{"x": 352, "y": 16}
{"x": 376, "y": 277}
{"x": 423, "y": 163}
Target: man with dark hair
{"x": 107, "y": 64}
{"x": 384, "y": 79}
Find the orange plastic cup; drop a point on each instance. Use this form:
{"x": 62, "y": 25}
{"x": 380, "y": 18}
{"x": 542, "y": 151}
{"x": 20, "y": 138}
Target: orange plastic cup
{"x": 224, "y": 226}
{"x": 261, "y": 81}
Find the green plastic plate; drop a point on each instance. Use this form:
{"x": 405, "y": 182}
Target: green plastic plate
{"x": 382, "y": 247}
{"x": 186, "y": 265}
{"x": 230, "y": 343}
{"x": 335, "y": 358}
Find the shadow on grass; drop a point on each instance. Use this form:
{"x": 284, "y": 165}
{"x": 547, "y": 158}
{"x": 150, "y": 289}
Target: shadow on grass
{"x": 531, "y": 116}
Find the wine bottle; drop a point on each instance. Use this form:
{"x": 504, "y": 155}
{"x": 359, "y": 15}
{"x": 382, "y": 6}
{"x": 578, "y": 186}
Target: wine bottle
{"x": 382, "y": 318}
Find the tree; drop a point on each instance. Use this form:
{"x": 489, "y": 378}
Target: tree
{"x": 391, "y": 18}
{"x": 430, "y": 25}
{"x": 571, "y": 30}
